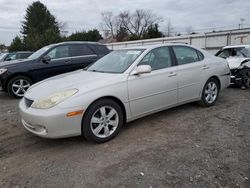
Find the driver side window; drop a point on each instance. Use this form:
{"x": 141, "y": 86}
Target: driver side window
{"x": 59, "y": 52}
{"x": 158, "y": 58}
{"x": 225, "y": 53}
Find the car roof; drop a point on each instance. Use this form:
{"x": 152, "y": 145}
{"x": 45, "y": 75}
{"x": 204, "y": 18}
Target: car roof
{"x": 154, "y": 46}
{"x": 237, "y": 46}
{"x": 22, "y": 52}
{"x": 78, "y": 42}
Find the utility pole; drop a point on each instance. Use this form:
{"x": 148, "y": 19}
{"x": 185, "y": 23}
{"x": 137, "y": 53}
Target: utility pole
{"x": 241, "y": 24}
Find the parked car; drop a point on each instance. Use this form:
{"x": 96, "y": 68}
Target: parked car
{"x": 17, "y": 76}
{"x": 238, "y": 58}
{"x": 14, "y": 56}
{"x": 123, "y": 86}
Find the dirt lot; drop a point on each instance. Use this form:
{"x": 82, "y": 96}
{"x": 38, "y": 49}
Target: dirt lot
{"x": 188, "y": 146}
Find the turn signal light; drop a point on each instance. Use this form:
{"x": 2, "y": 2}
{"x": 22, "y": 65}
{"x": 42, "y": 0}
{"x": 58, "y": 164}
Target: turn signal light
{"x": 75, "y": 113}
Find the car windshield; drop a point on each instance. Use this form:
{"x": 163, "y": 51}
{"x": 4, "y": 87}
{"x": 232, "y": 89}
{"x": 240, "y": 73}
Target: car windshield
{"x": 116, "y": 62}
{"x": 38, "y": 53}
{"x": 234, "y": 52}
{"x": 2, "y": 56}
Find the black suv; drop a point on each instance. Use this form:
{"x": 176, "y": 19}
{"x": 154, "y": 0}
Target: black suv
{"x": 17, "y": 76}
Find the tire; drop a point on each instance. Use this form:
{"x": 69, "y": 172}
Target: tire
{"x": 18, "y": 85}
{"x": 102, "y": 121}
{"x": 210, "y": 93}
{"x": 246, "y": 78}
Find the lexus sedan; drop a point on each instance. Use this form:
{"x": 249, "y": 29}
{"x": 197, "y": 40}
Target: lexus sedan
{"x": 122, "y": 86}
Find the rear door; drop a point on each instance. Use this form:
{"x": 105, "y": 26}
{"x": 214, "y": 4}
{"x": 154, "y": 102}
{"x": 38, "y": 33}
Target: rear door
{"x": 190, "y": 70}
{"x": 82, "y": 56}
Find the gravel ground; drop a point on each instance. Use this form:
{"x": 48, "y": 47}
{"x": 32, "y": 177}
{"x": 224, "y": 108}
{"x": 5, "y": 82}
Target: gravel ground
{"x": 187, "y": 146}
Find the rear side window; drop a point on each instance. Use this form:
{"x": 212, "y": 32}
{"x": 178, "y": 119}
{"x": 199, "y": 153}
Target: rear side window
{"x": 23, "y": 55}
{"x": 200, "y": 55}
{"x": 81, "y": 50}
{"x": 185, "y": 55}
{"x": 101, "y": 49}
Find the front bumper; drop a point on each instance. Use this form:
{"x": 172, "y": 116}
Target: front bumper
{"x": 50, "y": 123}
{"x": 1, "y": 84}
{"x": 3, "y": 78}
{"x": 232, "y": 80}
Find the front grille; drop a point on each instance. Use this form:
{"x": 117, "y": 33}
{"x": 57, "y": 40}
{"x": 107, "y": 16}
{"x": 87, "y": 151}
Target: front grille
{"x": 28, "y": 102}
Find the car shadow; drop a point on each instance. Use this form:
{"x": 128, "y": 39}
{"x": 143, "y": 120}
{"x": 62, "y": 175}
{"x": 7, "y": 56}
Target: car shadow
{"x": 131, "y": 126}
{"x": 80, "y": 140}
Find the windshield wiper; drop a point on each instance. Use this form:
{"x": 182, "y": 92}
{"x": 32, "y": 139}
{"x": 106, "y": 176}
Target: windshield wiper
{"x": 96, "y": 71}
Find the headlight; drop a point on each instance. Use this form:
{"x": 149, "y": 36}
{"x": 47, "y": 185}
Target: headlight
{"x": 2, "y": 71}
{"x": 53, "y": 99}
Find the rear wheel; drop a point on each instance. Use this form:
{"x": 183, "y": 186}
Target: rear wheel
{"x": 102, "y": 121}
{"x": 210, "y": 93}
{"x": 18, "y": 85}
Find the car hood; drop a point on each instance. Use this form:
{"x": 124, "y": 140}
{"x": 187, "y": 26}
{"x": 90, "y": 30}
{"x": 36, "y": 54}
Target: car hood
{"x": 235, "y": 62}
{"x": 82, "y": 80}
{"x": 8, "y": 64}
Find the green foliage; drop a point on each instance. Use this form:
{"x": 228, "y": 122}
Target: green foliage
{"x": 16, "y": 45}
{"x": 39, "y": 27}
{"x": 152, "y": 32}
{"x": 91, "y": 35}
{"x": 2, "y": 47}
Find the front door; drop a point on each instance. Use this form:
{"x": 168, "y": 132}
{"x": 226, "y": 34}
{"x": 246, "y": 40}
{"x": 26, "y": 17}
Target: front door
{"x": 156, "y": 90}
{"x": 60, "y": 63}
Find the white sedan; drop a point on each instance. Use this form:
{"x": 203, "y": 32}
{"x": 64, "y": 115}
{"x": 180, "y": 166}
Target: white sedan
{"x": 125, "y": 85}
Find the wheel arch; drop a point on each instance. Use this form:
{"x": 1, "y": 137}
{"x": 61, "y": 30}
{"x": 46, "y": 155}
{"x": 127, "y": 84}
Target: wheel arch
{"x": 15, "y": 75}
{"x": 217, "y": 79}
{"x": 117, "y": 100}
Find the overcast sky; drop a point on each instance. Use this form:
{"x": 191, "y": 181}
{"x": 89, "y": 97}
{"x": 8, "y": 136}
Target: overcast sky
{"x": 86, "y": 14}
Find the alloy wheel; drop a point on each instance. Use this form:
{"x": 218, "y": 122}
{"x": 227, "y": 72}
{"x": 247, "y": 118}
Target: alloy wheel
{"x": 211, "y": 92}
{"x": 104, "y": 121}
{"x": 20, "y": 86}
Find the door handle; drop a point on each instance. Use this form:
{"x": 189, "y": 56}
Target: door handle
{"x": 171, "y": 74}
{"x": 67, "y": 61}
{"x": 205, "y": 67}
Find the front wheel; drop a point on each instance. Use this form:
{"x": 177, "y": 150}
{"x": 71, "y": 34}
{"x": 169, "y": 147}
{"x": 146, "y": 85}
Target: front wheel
{"x": 210, "y": 93}
{"x": 18, "y": 85}
{"x": 102, "y": 121}
{"x": 246, "y": 78}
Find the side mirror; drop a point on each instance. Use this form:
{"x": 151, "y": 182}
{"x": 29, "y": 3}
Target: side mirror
{"x": 142, "y": 69}
{"x": 46, "y": 59}
{"x": 8, "y": 59}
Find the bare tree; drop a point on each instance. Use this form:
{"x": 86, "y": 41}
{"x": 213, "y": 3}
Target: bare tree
{"x": 110, "y": 24}
{"x": 138, "y": 22}
{"x": 134, "y": 24}
{"x": 63, "y": 28}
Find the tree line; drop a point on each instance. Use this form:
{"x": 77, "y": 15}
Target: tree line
{"x": 41, "y": 28}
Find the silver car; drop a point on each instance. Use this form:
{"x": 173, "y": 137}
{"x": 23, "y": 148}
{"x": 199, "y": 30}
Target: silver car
{"x": 124, "y": 85}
